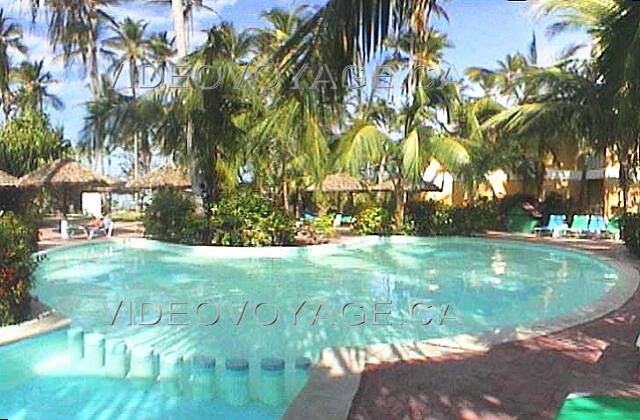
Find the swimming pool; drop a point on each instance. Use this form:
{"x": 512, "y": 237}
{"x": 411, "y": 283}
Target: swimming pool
{"x": 291, "y": 302}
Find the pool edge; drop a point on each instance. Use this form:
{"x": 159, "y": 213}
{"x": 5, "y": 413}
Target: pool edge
{"x": 335, "y": 380}
{"x": 43, "y": 321}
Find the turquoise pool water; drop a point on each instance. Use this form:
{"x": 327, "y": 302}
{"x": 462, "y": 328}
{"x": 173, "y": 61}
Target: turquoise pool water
{"x": 286, "y": 303}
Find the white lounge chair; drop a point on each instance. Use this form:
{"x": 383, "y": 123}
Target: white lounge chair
{"x": 106, "y": 229}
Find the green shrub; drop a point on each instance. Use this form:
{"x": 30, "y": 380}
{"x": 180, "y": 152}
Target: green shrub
{"x": 28, "y": 141}
{"x": 323, "y": 225}
{"x": 436, "y": 219}
{"x": 373, "y": 221}
{"x": 18, "y": 241}
{"x": 171, "y": 217}
{"x": 630, "y": 233}
{"x": 248, "y": 219}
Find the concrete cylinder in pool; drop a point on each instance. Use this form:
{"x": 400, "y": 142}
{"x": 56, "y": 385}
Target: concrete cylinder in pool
{"x": 172, "y": 373}
{"x": 75, "y": 343}
{"x": 144, "y": 364}
{"x": 302, "y": 366}
{"x": 235, "y": 381}
{"x": 94, "y": 350}
{"x": 272, "y": 381}
{"x": 203, "y": 377}
{"x": 116, "y": 358}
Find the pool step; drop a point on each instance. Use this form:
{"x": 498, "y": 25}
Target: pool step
{"x": 195, "y": 376}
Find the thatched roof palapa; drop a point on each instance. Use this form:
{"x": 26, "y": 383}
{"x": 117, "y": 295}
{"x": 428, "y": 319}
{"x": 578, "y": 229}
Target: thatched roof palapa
{"x": 63, "y": 172}
{"x": 7, "y": 180}
{"x": 340, "y": 183}
{"x": 387, "y": 186}
{"x": 169, "y": 176}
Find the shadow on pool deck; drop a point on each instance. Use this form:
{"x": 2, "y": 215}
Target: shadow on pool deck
{"x": 527, "y": 379}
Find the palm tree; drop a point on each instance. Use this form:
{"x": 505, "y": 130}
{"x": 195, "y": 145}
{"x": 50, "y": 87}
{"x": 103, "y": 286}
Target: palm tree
{"x": 10, "y": 40}
{"x": 161, "y": 53}
{"x": 104, "y": 119}
{"x": 613, "y": 26}
{"x": 289, "y": 127}
{"x": 33, "y": 93}
{"x": 345, "y": 32}
{"x": 182, "y": 15}
{"x": 129, "y": 46}
{"x": 214, "y": 113}
{"x": 506, "y": 80}
{"x": 486, "y": 153}
{"x": 401, "y": 144}
{"x": 566, "y": 109}
{"x": 75, "y": 27}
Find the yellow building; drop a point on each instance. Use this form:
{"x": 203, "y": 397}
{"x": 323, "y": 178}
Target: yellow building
{"x": 591, "y": 184}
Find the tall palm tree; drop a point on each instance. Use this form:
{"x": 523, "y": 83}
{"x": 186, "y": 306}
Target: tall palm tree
{"x": 129, "y": 47}
{"x": 506, "y": 79}
{"x": 613, "y": 26}
{"x": 105, "y": 115}
{"x": 566, "y": 109}
{"x": 10, "y": 41}
{"x": 345, "y": 32}
{"x": 289, "y": 127}
{"x": 33, "y": 92}
{"x": 402, "y": 143}
{"x": 214, "y": 113}
{"x": 75, "y": 27}
{"x": 182, "y": 16}
{"x": 161, "y": 53}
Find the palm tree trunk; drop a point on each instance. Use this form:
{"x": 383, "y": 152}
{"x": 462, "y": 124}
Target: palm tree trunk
{"x": 283, "y": 186}
{"x": 94, "y": 88}
{"x": 179, "y": 27}
{"x": 540, "y": 173}
{"x": 624, "y": 184}
{"x": 400, "y": 204}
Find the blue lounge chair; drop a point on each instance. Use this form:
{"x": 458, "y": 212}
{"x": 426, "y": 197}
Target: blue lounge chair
{"x": 597, "y": 225}
{"x": 556, "y": 226}
{"x": 308, "y": 216}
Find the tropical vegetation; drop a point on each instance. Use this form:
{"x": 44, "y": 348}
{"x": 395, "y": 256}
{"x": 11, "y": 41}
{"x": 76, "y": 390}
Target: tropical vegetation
{"x": 281, "y": 113}
{"x": 17, "y": 241}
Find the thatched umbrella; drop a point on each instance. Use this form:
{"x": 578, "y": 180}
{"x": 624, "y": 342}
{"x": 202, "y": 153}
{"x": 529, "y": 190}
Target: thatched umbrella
{"x": 340, "y": 183}
{"x": 169, "y": 176}
{"x": 7, "y": 180}
{"x": 65, "y": 174}
{"x": 337, "y": 183}
{"x": 387, "y": 186}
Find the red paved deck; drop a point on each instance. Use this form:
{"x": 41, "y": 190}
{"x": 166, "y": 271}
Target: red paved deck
{"x": 525, "y": 380}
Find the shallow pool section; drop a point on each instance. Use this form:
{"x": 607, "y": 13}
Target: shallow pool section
{"x": 40, "y": 379}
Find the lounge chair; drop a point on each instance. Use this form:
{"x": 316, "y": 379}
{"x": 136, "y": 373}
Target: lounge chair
{"x": 598, "y": 407}
{"x": 105, "y": 230}
{"x": 597, "y": 225}
{"x": 579, "y": 225}
{"x": 347, "y": 220}
{"x": 337, "y": 221}
{"x": 556, "y": 226}
{"x": 613, "y": 227}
